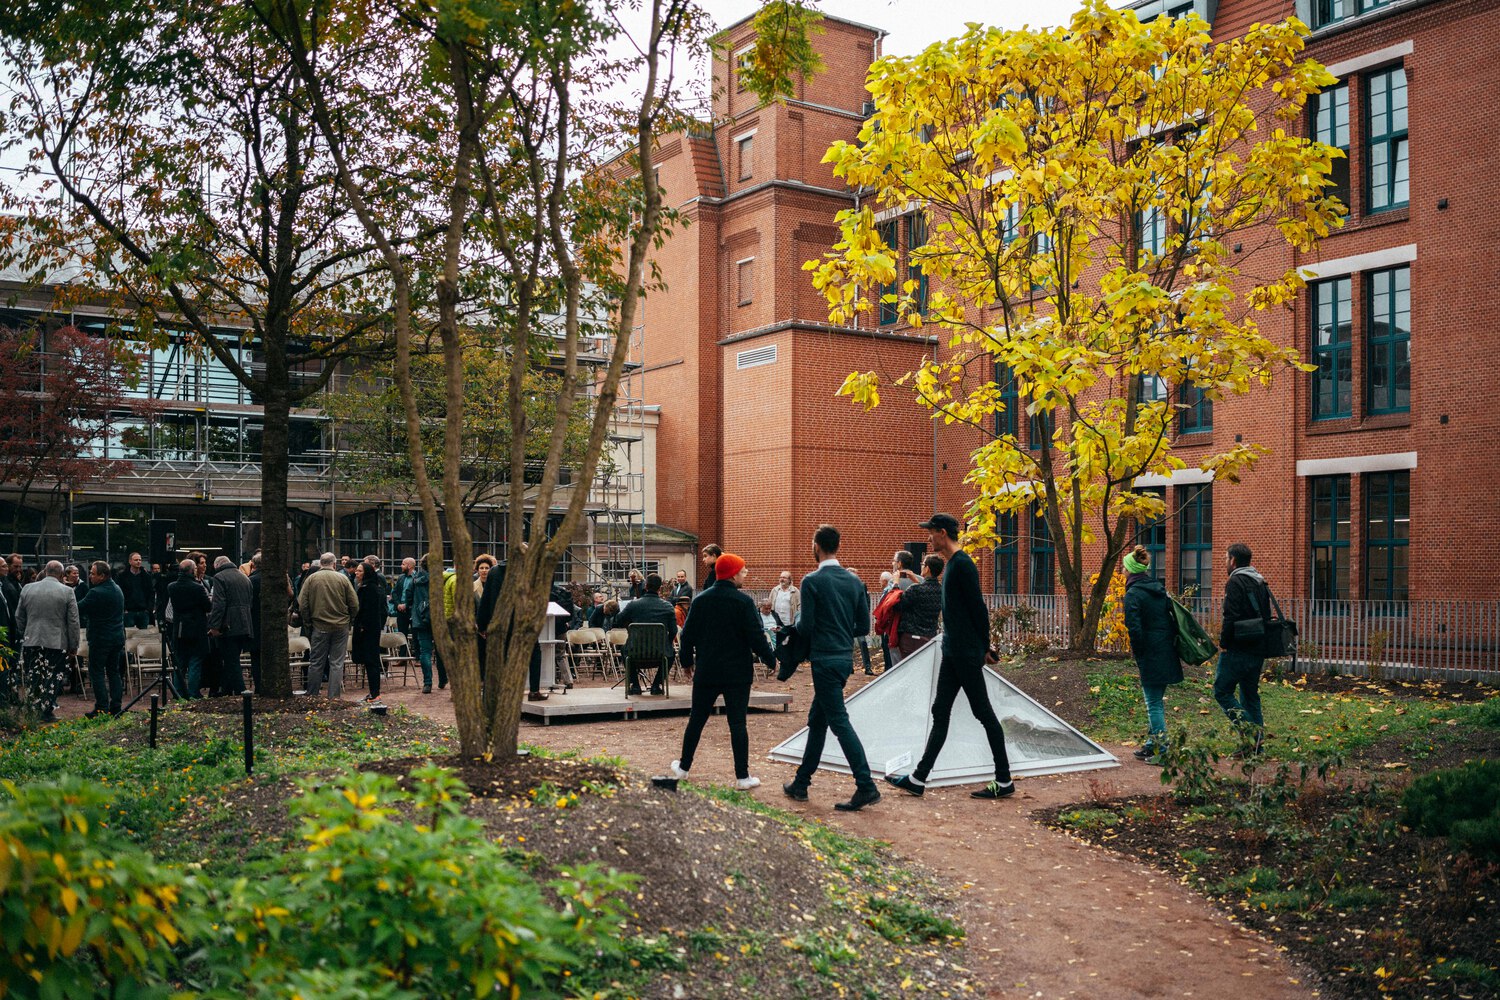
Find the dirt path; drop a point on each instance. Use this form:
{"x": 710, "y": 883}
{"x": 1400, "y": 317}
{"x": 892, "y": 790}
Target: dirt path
{"x": 1047, "y": 916}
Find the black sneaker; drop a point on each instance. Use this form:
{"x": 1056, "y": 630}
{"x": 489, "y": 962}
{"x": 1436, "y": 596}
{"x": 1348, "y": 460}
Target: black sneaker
{"x": 995, "y": 790}
{"x": 1143, "y": 753}
{"x": 906, "y": 783}
{"x": 795, "y": 792}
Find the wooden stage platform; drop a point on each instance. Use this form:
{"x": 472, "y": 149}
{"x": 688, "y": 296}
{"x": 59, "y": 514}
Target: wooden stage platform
{"x": 586, "y": 701}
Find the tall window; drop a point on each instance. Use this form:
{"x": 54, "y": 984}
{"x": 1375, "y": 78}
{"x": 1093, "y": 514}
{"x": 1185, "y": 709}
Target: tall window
{"x": 888, "y": 312}
{"x": 1330, "y": 126}
{"x": 1197, "y": 413}
{"x": 1332, "y": 349}
{"x": 916, "y": 236}
{"x": 1388, "y": 336}
{"x": 746, "y": 155}
{"x": 1041, "y": 551}
{"x": 1386, "y": 151}
{"x": 1153, "y": 535}
{"x": 1330, "y": 538}
{"x": 1151, "y": 231}
{"x": 1195, "y": 539}
{"x": 744, "y": 273}
{"x": 1007, "y": 420}
{"x": 1007, "y": 527}
{"x": 1387, "y": 531}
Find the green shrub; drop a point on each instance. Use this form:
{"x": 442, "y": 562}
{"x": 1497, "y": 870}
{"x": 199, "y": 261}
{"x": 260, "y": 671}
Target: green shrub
{"x": 427, "y": 902}
{"x": 1489, "y": 713}
{"x": 82, "y": 910}
{"x": 1460, "y": 803}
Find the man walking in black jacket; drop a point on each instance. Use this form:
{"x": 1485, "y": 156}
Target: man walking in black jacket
{"x": 966, "y": 644}
{"x": 1246, "y": 595}
{"x": 724, "y": 637}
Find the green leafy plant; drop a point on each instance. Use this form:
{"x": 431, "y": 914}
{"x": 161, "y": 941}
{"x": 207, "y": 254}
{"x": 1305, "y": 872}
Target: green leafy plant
{"x": 83, "y": 912}
{"x": 428, "y": 903}
{"x": 1191, "y": 768}
{"x": 1460, "y": 803}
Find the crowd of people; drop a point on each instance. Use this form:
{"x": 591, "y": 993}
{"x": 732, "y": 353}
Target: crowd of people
{"x": 206, "y": 619}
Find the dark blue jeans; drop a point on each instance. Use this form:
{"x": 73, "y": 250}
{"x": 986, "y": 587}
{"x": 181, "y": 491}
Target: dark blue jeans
{"x": 828, "y": 712}
{"x": 1239, "y": 672}
{"x": 190, "y": 655}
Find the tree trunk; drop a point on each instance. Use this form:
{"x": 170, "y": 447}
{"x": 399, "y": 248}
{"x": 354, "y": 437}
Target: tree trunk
{"x": 275, "y": 666}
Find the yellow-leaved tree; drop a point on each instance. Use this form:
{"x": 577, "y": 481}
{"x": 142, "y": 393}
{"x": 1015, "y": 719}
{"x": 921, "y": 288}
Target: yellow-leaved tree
{"x": 1090, "y": 196}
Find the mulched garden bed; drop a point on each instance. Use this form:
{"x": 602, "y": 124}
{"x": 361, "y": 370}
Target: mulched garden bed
{"x": 234, "y": 704}
{"x": 1458, "y": 691}
{"x": 510, "y": 777}
{"x": 1401, "y": 917}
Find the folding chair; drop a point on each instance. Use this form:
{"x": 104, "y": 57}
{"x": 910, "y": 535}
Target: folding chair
{"x": 146, "y": 660}
{"x": 647, "y": 647}
{"x": 584, "y": 651}
{"x": 399, "y": 656}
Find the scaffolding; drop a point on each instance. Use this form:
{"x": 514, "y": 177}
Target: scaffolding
{"x": 615, "y": 540}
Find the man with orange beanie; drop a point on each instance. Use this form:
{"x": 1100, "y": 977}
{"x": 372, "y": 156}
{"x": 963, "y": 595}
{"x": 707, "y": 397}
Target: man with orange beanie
{"x": 723, "y": 637}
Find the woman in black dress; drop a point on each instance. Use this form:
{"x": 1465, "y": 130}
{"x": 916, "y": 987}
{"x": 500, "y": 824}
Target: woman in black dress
{"x": 368, "y": 624}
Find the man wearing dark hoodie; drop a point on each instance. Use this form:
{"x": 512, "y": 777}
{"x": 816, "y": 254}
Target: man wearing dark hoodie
{"x": 1245, "y": 596}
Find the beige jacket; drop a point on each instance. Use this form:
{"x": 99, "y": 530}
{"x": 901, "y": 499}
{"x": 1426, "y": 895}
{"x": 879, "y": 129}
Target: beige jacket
{"x": 328, "y": 601}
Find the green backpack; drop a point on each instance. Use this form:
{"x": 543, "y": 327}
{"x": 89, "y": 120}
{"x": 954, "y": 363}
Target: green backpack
{"x": 1194, "y": 646}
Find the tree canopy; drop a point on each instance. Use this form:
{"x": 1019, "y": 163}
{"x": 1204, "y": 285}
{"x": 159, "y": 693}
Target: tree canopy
{"x": 1097, "y": 199}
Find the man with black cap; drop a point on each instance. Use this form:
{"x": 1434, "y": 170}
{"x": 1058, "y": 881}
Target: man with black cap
{"x": 966, "y": 648}
{"x": 835, "y": 611}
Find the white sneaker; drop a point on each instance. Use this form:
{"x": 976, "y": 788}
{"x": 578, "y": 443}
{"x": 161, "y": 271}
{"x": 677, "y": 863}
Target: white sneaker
{"x": 746, "y": 783}
{"x": 678, "y": 772}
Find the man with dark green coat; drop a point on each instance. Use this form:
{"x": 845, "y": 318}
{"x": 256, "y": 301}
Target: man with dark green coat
{"x": 1153, "y": 643}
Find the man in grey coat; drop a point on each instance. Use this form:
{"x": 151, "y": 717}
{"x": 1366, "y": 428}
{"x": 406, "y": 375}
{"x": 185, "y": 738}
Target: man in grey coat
{"x": 229, "y": 622}
{"x": 47, "y": 619}
{"x": 835, "y": 612}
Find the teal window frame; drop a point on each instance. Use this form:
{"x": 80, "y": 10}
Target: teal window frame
{"x": 1330, "y": 304}
{"x": 1387, "y": 146}
{"x": 889, "y": 313}
{"x": 1329, "y": 529}
{"x": 1387, "y": 536}
{"x": 1043, "y": 554}
{"x": 1388, "y": 341}
{"x": 1328, "y": 113}
{"x": 1195, "y": 539}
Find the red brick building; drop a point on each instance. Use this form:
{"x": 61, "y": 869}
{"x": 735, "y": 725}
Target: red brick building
{"x": 1375, "y": 487}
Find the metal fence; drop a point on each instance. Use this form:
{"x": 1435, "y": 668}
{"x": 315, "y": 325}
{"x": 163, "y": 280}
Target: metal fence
{"x": 1436, "y": 640}
{"x": 1412, "y": 640}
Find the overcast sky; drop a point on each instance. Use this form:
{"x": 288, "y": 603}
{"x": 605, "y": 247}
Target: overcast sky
{"x": 916, "y": 24}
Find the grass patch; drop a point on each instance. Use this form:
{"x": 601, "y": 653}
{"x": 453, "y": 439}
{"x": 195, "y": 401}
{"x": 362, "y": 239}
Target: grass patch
{"x": 1467, "y": 971}
{"x": 1253, "y": 880}
{"x": 902, "y": 922}
{"x": 1332, "y": 721}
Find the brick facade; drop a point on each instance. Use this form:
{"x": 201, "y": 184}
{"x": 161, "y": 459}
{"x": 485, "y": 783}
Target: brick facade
{"x": 754, "y": 457}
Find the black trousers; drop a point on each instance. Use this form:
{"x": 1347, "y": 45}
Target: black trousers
{"x": 658, "y": 680}
{"x": 736, "y": 705}
{"x": 968, "y": 678}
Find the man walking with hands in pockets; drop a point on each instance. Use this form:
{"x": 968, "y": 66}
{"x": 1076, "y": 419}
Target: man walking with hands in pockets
{"x": 835, "y": 611}
{"x": 966, "y": 645}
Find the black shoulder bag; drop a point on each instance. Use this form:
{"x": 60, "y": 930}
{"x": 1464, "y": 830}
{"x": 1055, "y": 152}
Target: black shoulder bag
{"x": 1275, "y": 634}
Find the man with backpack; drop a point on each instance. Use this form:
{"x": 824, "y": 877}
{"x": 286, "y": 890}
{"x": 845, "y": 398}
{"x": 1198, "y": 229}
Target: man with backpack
{"x": 1246, "y": 599}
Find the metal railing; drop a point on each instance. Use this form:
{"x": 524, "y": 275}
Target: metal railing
{"x": 1422, "y": 639}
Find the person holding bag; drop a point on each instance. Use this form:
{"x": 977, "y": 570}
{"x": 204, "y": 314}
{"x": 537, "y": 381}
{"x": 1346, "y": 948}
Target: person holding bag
{"x": 1153, "y": 634}
{"x": 1247, "y": 615}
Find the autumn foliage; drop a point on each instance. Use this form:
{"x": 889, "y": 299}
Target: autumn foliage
{"x": 1090, "y": 194}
